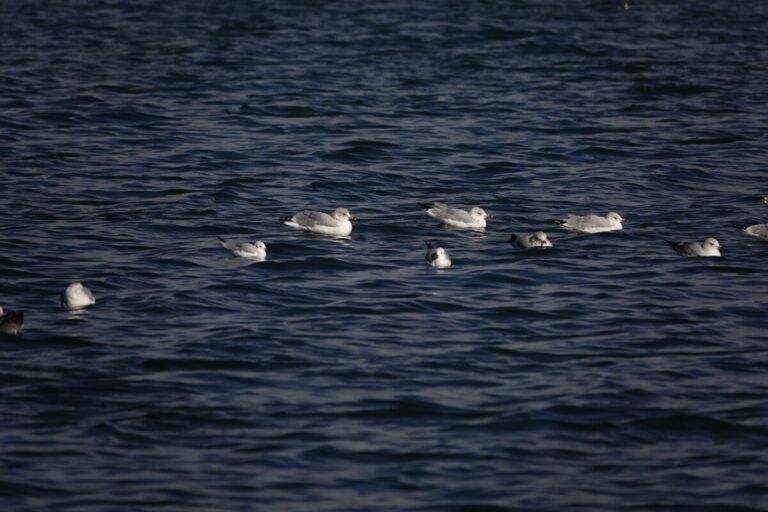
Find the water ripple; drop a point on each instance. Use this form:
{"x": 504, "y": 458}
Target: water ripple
{"x": 606, "y": 373}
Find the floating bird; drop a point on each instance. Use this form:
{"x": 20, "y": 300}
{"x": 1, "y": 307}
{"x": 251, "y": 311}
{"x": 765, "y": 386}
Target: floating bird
{"x": 538, "y": 239}
{"x": 710, "y": 247}
{"x": 454, "y": 217}
{"x": 591, "y": 223}
{"x": 437, "y": 257}
{"x": 11, "y": 322}
{"x": 256, "y": 250}
{"x": 758, "y": 230}
{"x": 336, "y": 224}
{"x": 77, "y": 296}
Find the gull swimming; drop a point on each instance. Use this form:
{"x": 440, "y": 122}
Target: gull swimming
{"x": 256, "y": 250}
{"x": 710, "y": 247}
{"x": 336, "y": 224}
{"x": 77, "y": 296}
{"x": 538, "y": 239}
{"x": 11, "y": 322}
{"x": 592, "y": 223}
{"x": 758, "y": 230}
{"x": 454, "y": 217}
{"x": 437, "y": 257}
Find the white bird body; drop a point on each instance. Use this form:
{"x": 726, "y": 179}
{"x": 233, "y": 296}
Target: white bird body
{"x": 537, "y": 239}
{"x": 758, "y": 230}
{"x": 256, "y": 250}
{"x": 77, "y": 296}
{"x": 592, "y": 223}
{"x": 437, "y": 257}
{"x": 454, "y": 217}
{"x": 710, "y": 247}
{"x": 11, "y": 322}
{"x": 336, "y": 224}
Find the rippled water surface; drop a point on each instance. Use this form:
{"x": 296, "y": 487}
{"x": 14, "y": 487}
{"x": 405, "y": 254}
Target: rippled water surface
{"x": 606, "y": 373}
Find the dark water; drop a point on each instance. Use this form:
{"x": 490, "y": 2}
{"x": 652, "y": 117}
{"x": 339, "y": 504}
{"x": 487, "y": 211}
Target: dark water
{"x": 604, "y": 374}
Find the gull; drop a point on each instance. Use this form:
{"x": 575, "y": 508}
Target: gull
{"x": 710, "y": 247}
{"x": 77, "y": 296}
{"x": 454, "y": 217}
{"x": 437, "y": 257}
{"x": 336, "y": 224}
{"x": 538, "y": 239}
{"x": 256, "y": 250}
{"x": 591, "y": 223}
{"x": 11, "y": 322}
{"x": 758, "y": 230}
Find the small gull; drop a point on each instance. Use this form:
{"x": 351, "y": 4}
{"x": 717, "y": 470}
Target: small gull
{"x": 710, "y": 247}
{"x": 592, "y": 223}
{"x": 11, "y": 322}
{"x": 77, "y": 296}
{"x": 336, "y": 224}
{"x": 255, "y": 251}
{"x": 758, "y": 230}
{"x": 454, "y": 217}
{"x": 437, "y": 257}
{"x": 538, "y": 239}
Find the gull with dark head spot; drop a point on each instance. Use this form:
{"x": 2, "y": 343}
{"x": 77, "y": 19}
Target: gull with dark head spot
{"x": 11, "y": 322}
{"x": 437, "y": 257}
{"x": 758, "y": 230}
{"x": 336, "y": 224}
{"x": 537, "y": 239}
{"x": 591, "y": 223}
{"x": 710, "y": 247}
{"x": 255, "y": 251}
{"x": 456, "y": 218}
{"x": 77, "y": 296}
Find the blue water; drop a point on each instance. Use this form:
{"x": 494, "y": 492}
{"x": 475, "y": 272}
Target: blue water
{"x": 604, "y": 374}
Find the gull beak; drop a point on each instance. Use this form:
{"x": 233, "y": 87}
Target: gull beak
{"x": 352, "y": 217}
{"x": 488, "y": 216}
{"x": 624, "y": 220}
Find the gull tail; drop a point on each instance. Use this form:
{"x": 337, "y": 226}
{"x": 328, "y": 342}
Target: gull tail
{"x": 743, "y": 228}
{"x": 425, "y": 206}
{"x": 12, "y": 323}
{"x": 675, "y": 245}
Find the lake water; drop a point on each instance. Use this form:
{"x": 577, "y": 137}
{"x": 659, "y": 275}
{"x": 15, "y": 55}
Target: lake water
{"x": 606, "y": 373}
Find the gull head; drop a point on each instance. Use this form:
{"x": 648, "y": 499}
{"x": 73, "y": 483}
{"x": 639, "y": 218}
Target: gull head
{"x": 615, "y": 216}
{"x": 343, "y": 213}
{"x": 76, "y": 287}
{"x": 541, "y": 237}
{"x": 476, "y": 211}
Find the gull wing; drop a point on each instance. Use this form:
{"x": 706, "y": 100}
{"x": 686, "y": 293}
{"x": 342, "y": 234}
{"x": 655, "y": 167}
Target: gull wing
{"x": 312, "y": 218}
